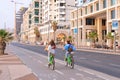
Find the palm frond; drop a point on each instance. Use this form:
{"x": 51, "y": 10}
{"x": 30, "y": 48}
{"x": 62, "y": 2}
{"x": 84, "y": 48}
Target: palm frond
{"x": 6, "y": 36}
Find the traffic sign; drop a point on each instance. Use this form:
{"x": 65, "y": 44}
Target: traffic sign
{"x": 75, "y": 31}
{"x": 114, "y": 25}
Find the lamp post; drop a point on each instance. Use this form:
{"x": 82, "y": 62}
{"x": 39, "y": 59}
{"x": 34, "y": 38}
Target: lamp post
{"x": 77, "y": 22}
{"x": 15, "y": 28}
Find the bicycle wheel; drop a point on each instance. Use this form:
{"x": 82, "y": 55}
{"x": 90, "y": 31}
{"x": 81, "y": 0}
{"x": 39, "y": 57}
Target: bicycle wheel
{"x": 53, "y": 65}
{"x": 72, "y": 64}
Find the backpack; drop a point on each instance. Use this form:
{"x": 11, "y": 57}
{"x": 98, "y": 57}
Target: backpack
{"x": 70, "y": 49}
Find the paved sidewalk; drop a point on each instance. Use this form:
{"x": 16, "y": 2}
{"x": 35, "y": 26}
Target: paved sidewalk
{"x": 11, "y": 68}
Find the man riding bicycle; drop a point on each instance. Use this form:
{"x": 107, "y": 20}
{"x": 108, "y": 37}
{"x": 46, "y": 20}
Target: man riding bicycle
{"x": 69, "y": 48}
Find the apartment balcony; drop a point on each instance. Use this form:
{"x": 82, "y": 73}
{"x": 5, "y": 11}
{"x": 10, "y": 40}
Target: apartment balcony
{"x": 60, "y": 7}
{"x": 45, "y": 1}
{"x": 63, "y": 18}
{"x": 61, "y": 1}
{"x": 62, "y": 12}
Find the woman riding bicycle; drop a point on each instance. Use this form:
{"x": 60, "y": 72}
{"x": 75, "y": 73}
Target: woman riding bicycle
{"x": 51, "y": 50}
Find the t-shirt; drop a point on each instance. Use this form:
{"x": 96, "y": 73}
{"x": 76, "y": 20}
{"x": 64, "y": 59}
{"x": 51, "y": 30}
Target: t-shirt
{"x": 51, "y": 49}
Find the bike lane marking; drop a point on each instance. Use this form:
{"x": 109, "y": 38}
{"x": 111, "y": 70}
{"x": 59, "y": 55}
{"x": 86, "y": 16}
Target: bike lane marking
{"x": 115, "y": 65}
{"x": 59, "y": 72}
{"x": 96, "y": 61}
{"x": 84, "y": 69}
{"x": 72, "y": 79}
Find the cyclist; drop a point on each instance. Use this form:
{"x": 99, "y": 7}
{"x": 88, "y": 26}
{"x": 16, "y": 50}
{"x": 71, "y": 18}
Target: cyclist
{"x": 69, "y": 48}
{"x": 51, "y": 49}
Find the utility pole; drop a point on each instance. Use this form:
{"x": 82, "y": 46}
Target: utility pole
{"x": 15, "y": 27}
{"x": 77, "y": 7}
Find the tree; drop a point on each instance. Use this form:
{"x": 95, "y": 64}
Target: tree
{"x": 110, "y": 37}
{"x": 54, "y": 26}
{"x": 4, "y": 37}
{"x": 37, "y": 34}
{"x": 71, "y": 38}
{"x": 93, "y": 36}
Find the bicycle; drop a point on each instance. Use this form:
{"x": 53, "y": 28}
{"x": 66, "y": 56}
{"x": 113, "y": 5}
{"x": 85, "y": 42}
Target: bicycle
{"x": 51, "y": 61}
{"x": 70, "y": 60}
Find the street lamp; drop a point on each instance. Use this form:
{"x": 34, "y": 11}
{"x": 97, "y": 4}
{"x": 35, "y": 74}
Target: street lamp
{"x": 77, "y": 20}
{"x": 15, "y": 29}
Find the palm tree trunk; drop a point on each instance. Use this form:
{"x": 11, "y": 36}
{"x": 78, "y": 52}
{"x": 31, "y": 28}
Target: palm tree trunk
{"x": 1, "y": 50}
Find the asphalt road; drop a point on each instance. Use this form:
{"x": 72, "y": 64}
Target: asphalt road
{"x": 105, "y": 63}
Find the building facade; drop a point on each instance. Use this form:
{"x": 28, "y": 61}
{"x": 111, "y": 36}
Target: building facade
{"x": 55, "y": 10}
{"x": 95, "y": 15}
{"x": 32, "y": 19}
{"x": 19, "y": 20}
{"x": 26, "y": 25}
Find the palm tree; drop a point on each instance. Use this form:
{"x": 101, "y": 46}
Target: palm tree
{"x": 71, "y": 38}
{"x": 93, "y": 36}
{"x": 54, "y": 26}
{"x": 111, "y": 37}
{"x": 4, "y": 37}
{"x": 37, "y": 33}
{"x": 64, "y": 38}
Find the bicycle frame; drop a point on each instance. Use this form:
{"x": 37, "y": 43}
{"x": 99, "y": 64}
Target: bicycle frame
{"x": 51, "y": 61}
{"x": 70, "y": 60}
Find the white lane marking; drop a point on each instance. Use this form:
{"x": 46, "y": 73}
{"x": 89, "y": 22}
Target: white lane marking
{"x": 89, "y": 78}
{"x": 72, "y": 79}
{"x": 85, "y": 71}
{"x": 78, "y": 74}
{"x": 59, "y": 72}
{"x": 102, "y": 77}
{"x": 60, "y": 62}
{"x": 39, "y": 61}
{"x": 89, "y": 72}
{"x": 54, "y": 79}
{"x": 92, "y": 73}
{"x": 35, "y": 74}
{"x": 96, "y": 61}
{"x": 82, "y": 58}
{"x": 116, "y": 65}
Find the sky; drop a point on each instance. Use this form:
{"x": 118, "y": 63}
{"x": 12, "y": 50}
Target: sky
{"x": 7, "y": 11}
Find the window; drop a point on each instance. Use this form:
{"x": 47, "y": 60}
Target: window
{"x": 90, "y": 21}
{"x": 104, "y": 3}
{"x": 85, "y": 10}
{"x": 36, "y": 4}
{"x": 81, "y": 12}
{"x": 103, "y": 22}
{"x": 36, "y": 11}
{"x": 91, "y": 9}
{"x": 30, "y": 16}
{"x": 36, "y": 19}
{"x": 97, "y": 6}
{"x": 113, "y": 2}
{"x": 29, "y": 21}
{"x": 113, "y": 14}
{"x": 62, "y": 4}
{"x": 81, "y": 21}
